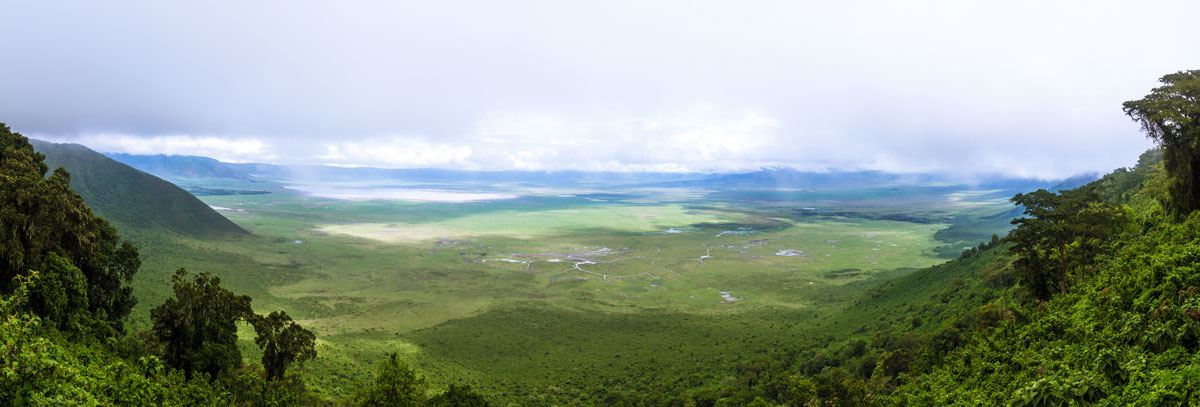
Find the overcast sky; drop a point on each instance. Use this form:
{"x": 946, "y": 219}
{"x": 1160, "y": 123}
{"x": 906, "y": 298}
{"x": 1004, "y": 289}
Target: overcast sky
{"x": 1029, "y": 88}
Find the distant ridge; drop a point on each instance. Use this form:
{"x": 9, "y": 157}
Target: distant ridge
{"x": 182, "y": 167}
{"x": 833, "y": 180}
{"x": 1076, "y": 181}
{"x": 790, "y": 178}
{"x": 132, "y": 199}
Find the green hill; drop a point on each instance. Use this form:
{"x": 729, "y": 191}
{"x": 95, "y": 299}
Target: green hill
{"x": 131, "y": 199}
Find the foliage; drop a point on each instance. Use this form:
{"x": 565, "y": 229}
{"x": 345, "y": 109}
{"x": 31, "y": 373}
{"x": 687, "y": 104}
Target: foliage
{"x": 1064, "y": 232}
{"x": 1128, "y": 336}
{"x": 283, "y": 342}
{"x": 59, "y": 293}
{"x": 1170, "y": 115}
{"x": 251, "y": 387}
{"x": 199, "y": 325}
{"x": 396, "y": 385}
{"x": 38, "y": 370}
{"x": 43, "y": 222}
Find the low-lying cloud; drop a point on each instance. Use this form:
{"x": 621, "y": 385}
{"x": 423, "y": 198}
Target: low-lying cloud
{"x": 1021, "y": 87}
{"x": 236, "y": 150}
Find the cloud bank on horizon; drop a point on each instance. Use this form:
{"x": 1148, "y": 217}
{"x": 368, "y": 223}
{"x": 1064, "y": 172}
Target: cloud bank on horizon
{"x": 1028, "y": 88}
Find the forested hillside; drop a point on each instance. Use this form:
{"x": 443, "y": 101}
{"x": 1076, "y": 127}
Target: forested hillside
{"x": 1118, "y": 324}
{"x": 133, "y": 199}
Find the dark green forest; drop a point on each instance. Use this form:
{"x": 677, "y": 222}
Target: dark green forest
{"x": 1092, "y": 298}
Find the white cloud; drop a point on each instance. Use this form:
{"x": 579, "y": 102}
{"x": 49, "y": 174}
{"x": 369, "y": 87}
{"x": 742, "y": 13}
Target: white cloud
{"x": 395, "y": 152}
{"x": 700, "y": 138}
{"x": 221, "y": 148}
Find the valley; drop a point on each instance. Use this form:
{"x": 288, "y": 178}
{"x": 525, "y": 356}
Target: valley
{"x": 563, "y": 292}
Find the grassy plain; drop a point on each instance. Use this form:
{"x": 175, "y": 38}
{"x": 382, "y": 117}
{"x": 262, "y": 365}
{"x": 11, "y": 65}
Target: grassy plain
{"x": 561, "y": 295}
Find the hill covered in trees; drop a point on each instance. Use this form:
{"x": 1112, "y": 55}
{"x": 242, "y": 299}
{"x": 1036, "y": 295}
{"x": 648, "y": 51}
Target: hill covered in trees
{"x": 133, "y": 199}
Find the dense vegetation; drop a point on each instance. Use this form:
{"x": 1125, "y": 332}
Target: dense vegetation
{"x": 1170, "y": 115}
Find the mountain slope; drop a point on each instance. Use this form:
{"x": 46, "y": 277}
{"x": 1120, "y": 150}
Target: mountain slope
{"x": 1125, "y": 336}
{"x": 132, "y": 199}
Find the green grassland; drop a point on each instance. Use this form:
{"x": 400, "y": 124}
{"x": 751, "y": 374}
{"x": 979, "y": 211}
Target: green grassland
{"x": 558, "y": 296}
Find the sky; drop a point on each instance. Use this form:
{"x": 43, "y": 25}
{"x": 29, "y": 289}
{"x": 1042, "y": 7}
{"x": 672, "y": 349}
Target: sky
{"x": 1025, "y": 88}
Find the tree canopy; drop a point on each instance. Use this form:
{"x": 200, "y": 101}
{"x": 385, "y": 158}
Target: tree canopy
{"x": 198, "y": 326}
{"x": 283, "y": 342}
{"x": 396, "y": 385}
{"x": 45, "y": 225}
{"x": 1062, "y": 234}
{"x": 1170, "y": 115}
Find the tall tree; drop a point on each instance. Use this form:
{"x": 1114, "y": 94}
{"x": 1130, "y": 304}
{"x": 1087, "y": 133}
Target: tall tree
{"x": 41, "y": 216}
{"x": 283, "y": 342}
{"x": 58, "y": 292}
{"x": 396, "y": 385}
{"x": 198, "y": 327}
{"x": 21, "y": 183}
{"x": 1064, "y": 232}
{"x": 1170, "y": 115}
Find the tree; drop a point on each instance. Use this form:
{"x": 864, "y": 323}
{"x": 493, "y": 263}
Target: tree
{"x": 41, "y": 216}
{"x": 1066, "y": 231}
{"x": 283, "y": 342}
{"x": 198, "y": 327}
{"x": 1170, "y": 115}
{"x": 396, "y": 385}
{"x": 21, "y": 206}
{"x": 894, "y": 363}
{"x": 459, "y": 396}
{"x": 58, "y": 292}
